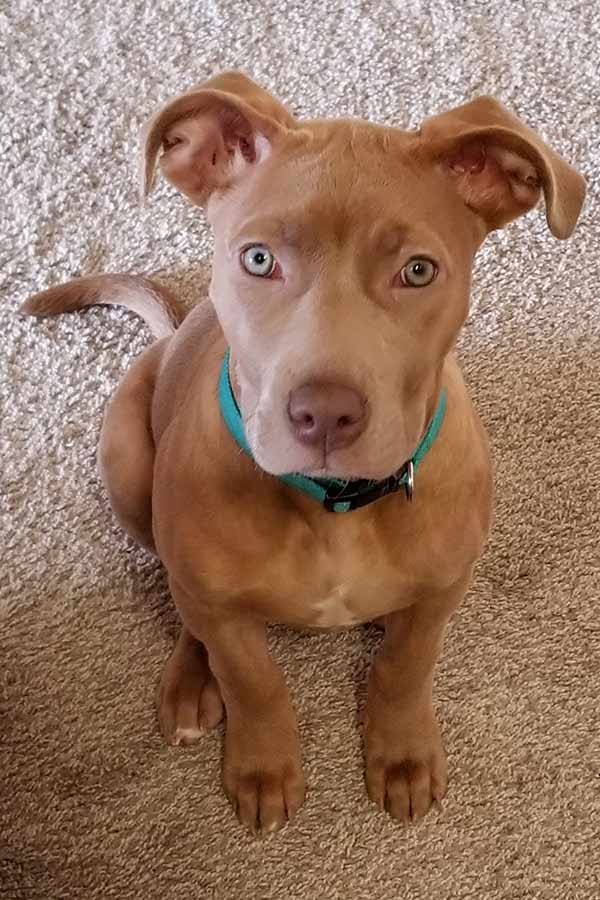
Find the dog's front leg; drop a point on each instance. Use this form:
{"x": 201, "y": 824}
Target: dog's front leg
{"x": 405, "y": 759}
{"x": 262, "y": 768}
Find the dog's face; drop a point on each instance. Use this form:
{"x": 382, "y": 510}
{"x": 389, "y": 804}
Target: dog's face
{"x": 343, "y": 254}
{"x": 337, "y": 263}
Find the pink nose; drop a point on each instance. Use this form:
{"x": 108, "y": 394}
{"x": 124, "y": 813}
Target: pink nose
{"x": 322, "y": 412}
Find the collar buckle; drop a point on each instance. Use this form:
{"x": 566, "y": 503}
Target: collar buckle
{"x": 353, "y": 496}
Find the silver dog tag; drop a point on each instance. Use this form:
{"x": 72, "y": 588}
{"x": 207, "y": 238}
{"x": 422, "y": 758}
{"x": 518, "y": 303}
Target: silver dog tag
{"x": 409, "y": 484}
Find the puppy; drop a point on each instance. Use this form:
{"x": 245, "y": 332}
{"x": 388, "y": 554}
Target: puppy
{"x": 302, "y": 449}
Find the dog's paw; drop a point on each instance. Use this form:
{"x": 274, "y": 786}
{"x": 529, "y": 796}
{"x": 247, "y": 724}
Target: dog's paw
{"x": 189, "y": 698}
{"x": 263, "y": 778}
{"x": 405, "y": 765}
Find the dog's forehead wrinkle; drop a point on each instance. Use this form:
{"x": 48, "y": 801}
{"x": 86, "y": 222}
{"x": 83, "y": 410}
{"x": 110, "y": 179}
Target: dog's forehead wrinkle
{"x": 349, "y": 180}
{"x": 388, "y": 236}
{"x": 291, "y": 226}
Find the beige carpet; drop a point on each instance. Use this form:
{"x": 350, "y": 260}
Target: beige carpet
{"x": 92, "y": 805}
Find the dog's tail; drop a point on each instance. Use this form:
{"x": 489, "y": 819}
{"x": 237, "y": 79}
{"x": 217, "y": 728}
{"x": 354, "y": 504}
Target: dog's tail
{"x": 157, "y": 306}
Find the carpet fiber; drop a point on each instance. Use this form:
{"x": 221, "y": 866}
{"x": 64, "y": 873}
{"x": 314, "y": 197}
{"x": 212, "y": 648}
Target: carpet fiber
{"x": 92, "y": 805}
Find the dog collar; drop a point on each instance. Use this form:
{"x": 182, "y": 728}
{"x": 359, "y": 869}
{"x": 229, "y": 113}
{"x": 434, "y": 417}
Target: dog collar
{"x": 335, "y": 494}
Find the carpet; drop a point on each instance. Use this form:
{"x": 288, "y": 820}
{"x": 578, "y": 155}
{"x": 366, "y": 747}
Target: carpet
{"x": 92, "y": 804}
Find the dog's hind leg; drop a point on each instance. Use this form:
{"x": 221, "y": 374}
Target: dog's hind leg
{"x": 189, "y": 699}
{"x": 126, "y": 448}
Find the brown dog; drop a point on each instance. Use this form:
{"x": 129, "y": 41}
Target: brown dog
{"x": 343, "y": 256}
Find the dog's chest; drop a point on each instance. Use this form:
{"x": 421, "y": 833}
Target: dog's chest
{"x": 345, "y": 581}
{"x": 361, "y": 597}
{"x": 335, "y": 572}
{"x": 335, "y": 610}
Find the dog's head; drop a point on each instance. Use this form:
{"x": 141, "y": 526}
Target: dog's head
{"x": 343, "y": 255}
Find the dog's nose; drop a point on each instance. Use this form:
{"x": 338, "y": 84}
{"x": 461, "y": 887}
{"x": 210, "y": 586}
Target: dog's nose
{"x": 329, "y": 413}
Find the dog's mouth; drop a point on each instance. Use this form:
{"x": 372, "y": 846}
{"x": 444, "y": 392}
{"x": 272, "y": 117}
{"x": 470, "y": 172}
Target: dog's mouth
{"x": 369, "y": 463}
{"x": 329, "y": 467}
{"x": 330, "y": 471}
{"x": 323, "y": 468}
{"x": 345, "y": 465}
{"x": 326, "y": 472}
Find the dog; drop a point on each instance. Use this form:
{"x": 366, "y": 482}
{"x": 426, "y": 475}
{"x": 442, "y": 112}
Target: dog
{"x": 301, "y": 447}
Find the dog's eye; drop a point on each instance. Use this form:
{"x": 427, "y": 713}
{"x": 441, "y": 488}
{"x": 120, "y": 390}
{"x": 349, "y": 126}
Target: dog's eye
{"x": 418, "y": 272}
{"x": 258, "y": 260}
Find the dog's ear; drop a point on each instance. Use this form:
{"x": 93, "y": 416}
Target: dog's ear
{"x": 211, "y": 133}
{"x": 500, "y": 167}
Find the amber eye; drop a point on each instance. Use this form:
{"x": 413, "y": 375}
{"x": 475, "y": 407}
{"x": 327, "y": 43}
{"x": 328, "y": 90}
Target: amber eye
{"x": 258, "y": 260}
{"x": 418, "y": 272}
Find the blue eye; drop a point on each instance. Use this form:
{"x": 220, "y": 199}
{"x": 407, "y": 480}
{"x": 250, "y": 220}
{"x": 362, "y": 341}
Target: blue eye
{"x": 418, "y": 272}
{"x": 258, "y": 260}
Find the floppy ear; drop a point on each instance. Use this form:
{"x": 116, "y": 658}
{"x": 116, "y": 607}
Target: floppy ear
{"x": 209, "y": 134}
{"x": 500, "y": 167}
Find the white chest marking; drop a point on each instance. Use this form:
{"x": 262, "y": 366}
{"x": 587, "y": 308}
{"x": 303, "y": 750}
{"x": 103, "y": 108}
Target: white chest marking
{"x": 333, "y": 611}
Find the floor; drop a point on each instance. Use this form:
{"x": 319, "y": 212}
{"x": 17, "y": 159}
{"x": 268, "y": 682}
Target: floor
{"x": 92, "y": 804}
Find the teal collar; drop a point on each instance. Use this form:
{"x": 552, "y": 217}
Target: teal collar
{"x": 335, "y": 494}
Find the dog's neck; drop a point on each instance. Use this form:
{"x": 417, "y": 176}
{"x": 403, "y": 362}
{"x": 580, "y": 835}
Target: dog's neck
{"x": 335, "y": 495}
